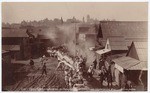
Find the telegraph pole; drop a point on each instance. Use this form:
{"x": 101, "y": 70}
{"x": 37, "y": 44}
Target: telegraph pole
{"x": 75, "y": 39}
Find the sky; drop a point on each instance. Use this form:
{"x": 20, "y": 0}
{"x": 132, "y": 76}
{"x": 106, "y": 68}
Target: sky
{"x": 16, "y": 12}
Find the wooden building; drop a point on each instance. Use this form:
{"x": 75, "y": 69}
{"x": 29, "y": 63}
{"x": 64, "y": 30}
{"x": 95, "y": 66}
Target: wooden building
{"x": 134, "y": 65}
{"x": 136, "y": 31}
{"x": 6, "y": 67}
{"x": 17, "y": 42}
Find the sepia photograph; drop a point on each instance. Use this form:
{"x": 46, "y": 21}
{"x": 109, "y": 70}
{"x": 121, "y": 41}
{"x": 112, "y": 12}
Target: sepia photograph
{"x": 74, "y": 46}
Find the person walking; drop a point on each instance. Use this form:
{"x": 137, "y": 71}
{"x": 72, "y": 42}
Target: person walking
{"x": 42, "y": 59}
{"x": 31, "y": 63}
{"x": 44, "y": 69}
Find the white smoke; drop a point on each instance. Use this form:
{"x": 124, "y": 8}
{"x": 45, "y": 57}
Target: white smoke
{"x": 66, "y": 34}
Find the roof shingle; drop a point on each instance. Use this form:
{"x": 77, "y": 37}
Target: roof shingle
{"x": 142, "y": 50}
{"x": 129, "y": 29}
{"x": 126, "y": 62}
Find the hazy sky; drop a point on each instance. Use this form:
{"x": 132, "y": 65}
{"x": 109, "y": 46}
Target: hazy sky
{"x": 16, "y": 12}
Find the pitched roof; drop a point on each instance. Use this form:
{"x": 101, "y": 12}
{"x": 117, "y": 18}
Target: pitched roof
{"x": 84, "y": 25}
{"x": 116, "y": 43}
{"x": 136, "y": 63}
{"x": 142, "y": 50}
{"x": 11, "y": 47}
{"x": 140, "y": 66}
{"x": 14, "y": 33}
{"x": 84, "y": 29}
{"x": 129, "y": 29}
{"x": 43, "y": 36}
{"x": 130, "y": 40}
{"x": 102, "y": 51}
{"x": 46, "y": 33}
{"x": 90, "y": 37}
{"x": 126, "y": 62}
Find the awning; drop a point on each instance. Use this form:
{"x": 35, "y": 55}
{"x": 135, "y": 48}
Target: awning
{"x": 103, "y": 51}
{"x": 140, "y": 66}
{"x": 126, "y": 62}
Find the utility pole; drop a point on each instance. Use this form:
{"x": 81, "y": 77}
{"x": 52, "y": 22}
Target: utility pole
{"x": 75, "y": 39}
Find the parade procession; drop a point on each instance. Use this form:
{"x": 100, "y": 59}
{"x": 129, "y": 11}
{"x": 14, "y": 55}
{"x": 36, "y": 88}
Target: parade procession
{"x": 87, "y": 49}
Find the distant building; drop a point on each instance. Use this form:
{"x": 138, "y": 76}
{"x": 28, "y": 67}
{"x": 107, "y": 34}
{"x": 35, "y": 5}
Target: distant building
{"x": 85, "y": 39}
{"x": 88, "y": 18}
{"x": 6, "y": 25}
{"x": 91, "y": 20}
{"x": 125, "y": 31}
{"x": 70, "y": 21}
{"x": 83, "y": 20}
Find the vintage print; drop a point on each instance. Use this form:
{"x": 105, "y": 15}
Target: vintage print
{"x": 74, "y": 46}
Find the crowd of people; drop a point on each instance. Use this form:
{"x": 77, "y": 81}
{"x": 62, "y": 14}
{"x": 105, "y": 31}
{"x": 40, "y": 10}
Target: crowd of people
{"x": 102, "y": 70}
{"x": 74, "y": 68}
